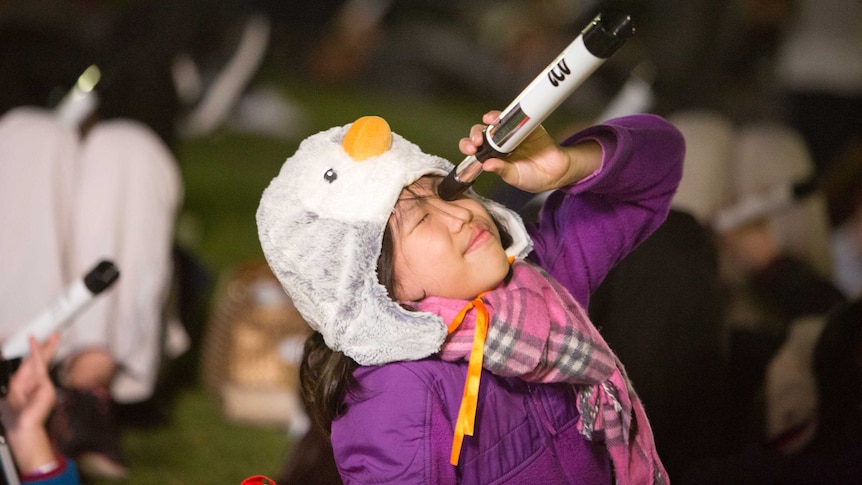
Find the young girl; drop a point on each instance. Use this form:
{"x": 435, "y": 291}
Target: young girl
{"x": 360, "y": 259}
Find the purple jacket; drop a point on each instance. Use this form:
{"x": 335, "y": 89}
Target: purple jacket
{"x": 398, "y": 427}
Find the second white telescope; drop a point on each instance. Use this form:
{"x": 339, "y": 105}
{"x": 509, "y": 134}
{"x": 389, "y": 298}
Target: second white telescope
{"x": 74, "y": 299}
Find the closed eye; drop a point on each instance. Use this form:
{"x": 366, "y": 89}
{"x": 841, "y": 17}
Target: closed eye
{"x": 418, "y": 221}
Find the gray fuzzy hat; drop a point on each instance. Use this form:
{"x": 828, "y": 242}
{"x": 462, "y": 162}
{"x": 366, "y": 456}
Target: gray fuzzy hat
{"x": 321, "y": 224}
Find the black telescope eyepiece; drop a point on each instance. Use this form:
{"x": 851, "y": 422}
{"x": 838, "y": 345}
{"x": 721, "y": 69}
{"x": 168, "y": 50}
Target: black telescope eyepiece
{"x": 607, "y": 33}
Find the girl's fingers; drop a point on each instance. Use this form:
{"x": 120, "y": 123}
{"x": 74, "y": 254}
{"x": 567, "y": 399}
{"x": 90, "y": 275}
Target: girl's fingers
{"x": 476, "y": 137}
{"x": 476, "y": 134}
{"x": 466, "y": 146}
{"x": 469, "y": 144}
{"x": 491, "y": 117}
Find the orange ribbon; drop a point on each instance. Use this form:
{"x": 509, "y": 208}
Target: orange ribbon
{"x": 466, "y": 421}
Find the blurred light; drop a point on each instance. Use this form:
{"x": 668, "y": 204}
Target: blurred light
{"x": 88, "y": 80}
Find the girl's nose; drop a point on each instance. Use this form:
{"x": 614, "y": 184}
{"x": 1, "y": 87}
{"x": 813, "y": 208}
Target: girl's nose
{"x": 456, "y": 216}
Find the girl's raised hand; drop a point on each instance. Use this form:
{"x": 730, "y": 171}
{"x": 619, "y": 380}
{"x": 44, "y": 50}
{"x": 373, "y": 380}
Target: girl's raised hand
{"x": 539, "y": 163}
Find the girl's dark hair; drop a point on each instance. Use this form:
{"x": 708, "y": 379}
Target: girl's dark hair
{"x": 325, "y": 376}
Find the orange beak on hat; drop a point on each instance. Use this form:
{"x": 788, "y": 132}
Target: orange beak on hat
{"x": 367, "y": 137}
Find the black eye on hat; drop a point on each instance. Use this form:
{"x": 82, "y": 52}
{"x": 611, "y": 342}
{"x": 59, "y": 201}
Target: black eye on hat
{"x": 330, "y": 175}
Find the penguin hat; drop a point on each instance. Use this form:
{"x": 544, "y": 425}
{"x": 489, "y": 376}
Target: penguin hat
{"x": 321, "y": 222}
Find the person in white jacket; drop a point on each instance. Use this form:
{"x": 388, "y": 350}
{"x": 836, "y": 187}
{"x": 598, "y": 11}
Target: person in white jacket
{"x": 68, "y": 199}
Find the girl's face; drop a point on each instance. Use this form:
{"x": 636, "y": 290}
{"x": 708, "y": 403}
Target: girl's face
{"x": 445, "y": 249}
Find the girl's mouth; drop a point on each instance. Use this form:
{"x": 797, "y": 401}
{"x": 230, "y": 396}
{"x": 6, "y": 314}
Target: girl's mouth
{"x": 479, "y": 237}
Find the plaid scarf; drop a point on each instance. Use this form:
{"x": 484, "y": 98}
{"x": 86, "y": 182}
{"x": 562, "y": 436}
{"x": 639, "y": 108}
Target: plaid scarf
{"x": 538, "y": 332}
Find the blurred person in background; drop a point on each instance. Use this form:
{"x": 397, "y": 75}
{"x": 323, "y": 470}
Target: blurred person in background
{"x": 776, "y": 267}
{"x": 97, "y": 181}
{"x": 69, "y": 200}
{"x": 818, "y": 68}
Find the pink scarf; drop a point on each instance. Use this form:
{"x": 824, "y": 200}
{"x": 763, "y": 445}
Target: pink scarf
{"x": 538, "y": 332}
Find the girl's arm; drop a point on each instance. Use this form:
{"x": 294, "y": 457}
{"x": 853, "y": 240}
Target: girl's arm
{"x": 617, "y": 180}
{"x": 587, "y": 227}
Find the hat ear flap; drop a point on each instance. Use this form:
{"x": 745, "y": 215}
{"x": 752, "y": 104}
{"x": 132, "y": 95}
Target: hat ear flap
{"x": 334, "y": 286}
{"x": 367, "y": 325}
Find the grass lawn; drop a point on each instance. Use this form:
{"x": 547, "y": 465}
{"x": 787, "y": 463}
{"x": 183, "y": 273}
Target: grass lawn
{"x": 199, "y": 446}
